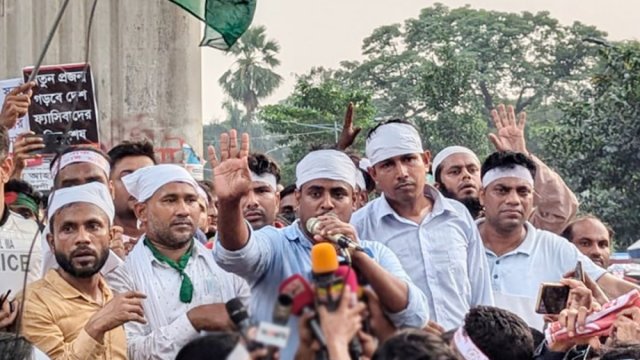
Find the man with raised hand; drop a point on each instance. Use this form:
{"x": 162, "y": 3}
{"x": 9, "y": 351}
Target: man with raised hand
{"x": 325, "y": 189}
{"x": 186, "y": 290}
{"x": 456, "y": 170}
{"x": 435, "y": 237}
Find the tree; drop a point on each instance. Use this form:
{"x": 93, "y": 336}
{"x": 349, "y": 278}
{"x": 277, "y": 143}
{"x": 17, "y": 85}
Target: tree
{"x": 448, "y": 65}
{"x": 252, "y": 76}
{"x": 596, "y": 143}
{"x": 312, "y": 114}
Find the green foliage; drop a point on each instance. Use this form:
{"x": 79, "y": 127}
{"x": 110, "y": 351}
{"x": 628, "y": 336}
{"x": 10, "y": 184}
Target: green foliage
{"x": 252, "y": 77}
{"x": 313, "y": 115}
{"x": 596, "y": 143}
{"x": 452, "y": 66}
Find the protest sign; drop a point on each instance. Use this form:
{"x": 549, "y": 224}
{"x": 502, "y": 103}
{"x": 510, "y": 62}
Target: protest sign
{"x": 64, "y": 94}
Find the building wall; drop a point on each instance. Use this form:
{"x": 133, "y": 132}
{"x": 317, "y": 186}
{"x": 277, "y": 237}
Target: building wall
{"x": 145, "y": 59}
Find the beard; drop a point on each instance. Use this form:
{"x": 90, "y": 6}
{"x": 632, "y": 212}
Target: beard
{"x": 161, "y": 233}
{"x": 471, "y": 203}
{"x": 66, "y": 264}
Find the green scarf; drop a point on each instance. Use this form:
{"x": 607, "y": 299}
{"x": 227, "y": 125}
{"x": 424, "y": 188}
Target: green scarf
{"x": 186, "y": 288}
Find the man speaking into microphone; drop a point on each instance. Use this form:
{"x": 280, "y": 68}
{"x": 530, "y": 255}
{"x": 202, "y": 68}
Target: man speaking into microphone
{"x": 325, "y": 191}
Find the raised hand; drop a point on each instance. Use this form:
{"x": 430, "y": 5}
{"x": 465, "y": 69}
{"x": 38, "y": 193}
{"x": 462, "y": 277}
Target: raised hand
{"x": 510, "y": 135}
{"x": 16, "y": 104}
{"x": 349, "y": 133}
{"x": 121, "y": 309}
{"x": 232, "y": 179}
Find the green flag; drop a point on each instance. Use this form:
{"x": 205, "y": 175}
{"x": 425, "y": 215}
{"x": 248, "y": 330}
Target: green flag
{"x": 226, "y": 20}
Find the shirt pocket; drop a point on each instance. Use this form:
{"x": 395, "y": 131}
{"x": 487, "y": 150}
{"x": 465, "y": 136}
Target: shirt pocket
{"x": 451, "y": 268}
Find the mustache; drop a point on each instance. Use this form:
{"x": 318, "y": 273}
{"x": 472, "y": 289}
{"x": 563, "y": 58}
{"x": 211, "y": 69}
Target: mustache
{"x": 83, "y": 251}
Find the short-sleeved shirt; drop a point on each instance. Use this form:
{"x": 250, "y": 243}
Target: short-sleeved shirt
{"x": 542, "y": 257}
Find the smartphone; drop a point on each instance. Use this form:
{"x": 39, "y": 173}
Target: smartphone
{"x": 54, "y": 142}
{"x": 552, "y": 298}
{"x": 578, "y": 273}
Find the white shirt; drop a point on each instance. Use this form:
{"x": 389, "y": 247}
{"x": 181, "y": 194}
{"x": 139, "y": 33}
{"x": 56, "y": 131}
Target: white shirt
{"x": 542, "y": 257}
{"x": 16, "y": 236}
{"x": 210, "y": 283}
{"x": 443, "y": 255}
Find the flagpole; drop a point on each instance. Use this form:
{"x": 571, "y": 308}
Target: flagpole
{"x": 47, "y": 42}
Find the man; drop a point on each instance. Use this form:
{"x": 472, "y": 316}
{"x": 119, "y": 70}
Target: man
{"x": 77, "y": 166}
{"x": 325, "y": 181}
{"x": 516, "y": 250}
{"x": 186, "y": 290}
{"x": 592, "y": 237}
{"x": 260, "y": 206}
{"x": 414, "y": 344}
{"x": 456, "y": 171}
{"x": 212, "y": 209}
{"x": 16, "y": 236}
{"x": 435, "y": 237}
{"x": 288, "y": 206}
{"x": 71, "y": 313}
{"x": 126, "y": 158}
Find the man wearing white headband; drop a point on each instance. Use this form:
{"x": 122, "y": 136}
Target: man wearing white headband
{"x": 71, "y": 313}
{"x": 76, "y": 166}
{"x": 186, "y": 290}
{"x": 456, "y": 170}
{"x": 325, "y": 181}
{"x": 261, "y": 205}
{"x": 435, "y": 237}
{"x": 516, "y": 250}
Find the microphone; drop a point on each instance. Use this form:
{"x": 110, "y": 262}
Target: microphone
{"x": 240, "y": 317}
{"x": 301, "y": 293}
{"x": 276, "y": 333}
{"x": 339, "y": 239}
{"x": 324, "y": 264}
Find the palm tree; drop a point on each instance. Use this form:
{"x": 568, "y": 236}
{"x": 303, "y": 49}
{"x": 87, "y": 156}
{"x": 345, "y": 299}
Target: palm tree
{"x": 251, "y": 77}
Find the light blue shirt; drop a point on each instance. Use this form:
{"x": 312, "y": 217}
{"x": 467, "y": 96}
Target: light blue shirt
{"x": 444, "y": 254}
{"x": 542, "y": 257}
{"x": 272, "y": 255}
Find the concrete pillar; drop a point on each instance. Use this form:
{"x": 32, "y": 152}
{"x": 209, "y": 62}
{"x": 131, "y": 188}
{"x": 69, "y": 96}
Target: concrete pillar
{"x": 145, "y": 59}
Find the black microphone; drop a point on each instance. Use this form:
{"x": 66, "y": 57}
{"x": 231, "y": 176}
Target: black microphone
{"x": 339, "y": 239}
{"x": 240, "y": 317}
{"x": 281, "y": 314}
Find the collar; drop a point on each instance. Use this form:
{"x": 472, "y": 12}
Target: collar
{"x": 382, "y": 208}
{"x": 293, "y": 232}
{"x": 198, "y": 250}
{"x": 525, "y": 248}
{"x": 69, "y": 292}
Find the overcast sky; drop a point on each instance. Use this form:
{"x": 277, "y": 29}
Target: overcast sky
{"x": 323, "y": 33}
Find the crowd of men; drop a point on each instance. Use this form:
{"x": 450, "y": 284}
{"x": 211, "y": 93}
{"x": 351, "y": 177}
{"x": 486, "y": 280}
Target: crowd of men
{"x": 128, "y": 258}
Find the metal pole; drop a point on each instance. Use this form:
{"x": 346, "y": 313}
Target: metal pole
{"x": 335, "y": 129}
{"x": 47, "y": 42}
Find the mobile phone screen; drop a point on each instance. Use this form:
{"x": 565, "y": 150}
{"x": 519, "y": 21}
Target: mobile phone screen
{"x": 553, "y": 299}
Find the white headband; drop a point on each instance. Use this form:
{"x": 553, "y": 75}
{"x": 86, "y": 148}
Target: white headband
{"x": 92, "y": 193}
{"x": 80, "y": 156}
{"x": 392, "y": 140}
{"x": 326, "y": 164}
{"x": 448, "y": 151}
{"x": 364, "y": 164}
{"x": 467, "y": 349}
{"x": 518, "y": 171}
{"x": 266, "y": 178}
{"x": 360, "y": 180}
{"x": 144, "y": 182}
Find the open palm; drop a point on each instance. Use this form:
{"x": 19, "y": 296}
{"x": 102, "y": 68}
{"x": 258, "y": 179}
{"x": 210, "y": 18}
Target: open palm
{"x": 510, "y": 134}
